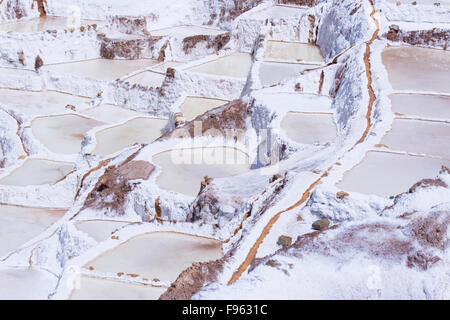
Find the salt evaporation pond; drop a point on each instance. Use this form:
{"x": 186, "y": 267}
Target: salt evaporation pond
{"x": 185, "y": 31}
{"x": 100, "y": 289}
{"x": 18, "y": 225}
{"x": 63, "y": 133}
{"x": 26, "y": 284}
{"x": 147, "y": 79}
{"x": 274, "y": 72}
{"x": 420, "y": 137}
{"x": 162, "y": 67}
{"x": 102, "y": 69}
{"x": 421, "y": 106}
{"x": 161, "y": 255}
{"x": 38, "y": 172}
{"x": 42, "y": 24}
{"x": 184, "y": 169}
{"x": 235, "y": 65}
{"x": 40, "y": 102}
{"x": 195, "y": 106}
{"x": 100, "y": 230}
{"x": 309, "y": 128}
{"x": 388, "y": 174}
{"x": 153, "y": 77}
{"x": 419, "y": 69}
{"x": 293, "y": 51}
{"x": 139, "y": 130}
{"x": 111, "y": 113}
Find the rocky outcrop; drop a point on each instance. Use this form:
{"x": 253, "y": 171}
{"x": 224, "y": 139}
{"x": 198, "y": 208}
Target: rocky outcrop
{"x": 225, "y": 11}
{"x": 436, "y": 37}
{"x": 215, "y": 43}
{"x": 40, "y": 6}
{"x": 130, "y": 48}
{"x": 38, "y": 63}
{"x": 13, "y": 9}
{"x": 111, "y": 190}
{"x": 190, "y": 281}
{"x": 128, "y": 24}
{"x": 229, "y": 120}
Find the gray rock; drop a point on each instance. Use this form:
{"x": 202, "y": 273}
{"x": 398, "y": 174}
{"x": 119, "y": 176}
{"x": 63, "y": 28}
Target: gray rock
{"x": 284, "y": 241}
{"x": 321, "y": 225}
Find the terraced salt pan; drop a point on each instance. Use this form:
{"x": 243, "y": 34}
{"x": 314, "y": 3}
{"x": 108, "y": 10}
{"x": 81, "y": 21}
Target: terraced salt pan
{"x": 138, "y": 130}
{"x": 293, "y": 51}
{"x": 184, "y": 169}
{"x": 308, "y": 128}
{"x": 388, "y": 174}
{"x": 419, "y": 69}
{"x": 40, "y": 103}
{"x": 99, "y": 289}
{"x": 275, "y": 72}
{"x": 38, "y": 172}
{"x": 155, "y": 76}
{"x": 148, "y": 79}
{"x": 422, "y": 137}
{"x": 162, "y": 67}
{"x": 63, "y": 133}
{"x": 185, "y": 31}
{"x": 18, "y": 225}
{"x": 102, "y": 69}
{"x": 235, "y": 65}
{"x": 421, "y": 106}
{"x": 277, "y": 12}
{"x": 98, "y": 229}
{"x": 43, "y": 24}
{"x": 111, "y": 113}
{"x": 158, "y": 255}
{"x": 195, "y": 106}
{"x": 26, "y": 284}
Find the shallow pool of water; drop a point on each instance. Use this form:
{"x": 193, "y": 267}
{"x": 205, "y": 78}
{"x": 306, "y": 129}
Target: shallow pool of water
{"x": 388, "y": 174}
{"x": 19, "y": 225}
{"x": 102, "y": 69}
{"x": 158, "y": 255}
{"x": 139, "y": 130}
{"x": 99, "y": 230}
{"x": 195, "y": 106}
{"x": 293, "y": 51}
{"x": 26, "y": 284}
{"x": 421, "y": 69}
{"x": 63, "y": 133}
{"x": 147, "y": 79}
{"x": 38, "y": 172}
{"x": 162, "y": 68}
{"x": 185, "y": 31}
{"x": 237, "y": 65}
{"x": 308, "y": 128}
{"x": 42, "y": 24}
{"x": 100, "y": 289}
{"x": 42, "y": 102}
{"x": 111, "y": 113}
{"x": 183, "y": 170}
{"x": 421, "y": 106}
{"x": 424, "y": 137}
{"x": 275, "y": 72}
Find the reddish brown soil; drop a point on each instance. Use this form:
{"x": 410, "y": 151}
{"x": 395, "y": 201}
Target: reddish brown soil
{"x": 112, "y": 188}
